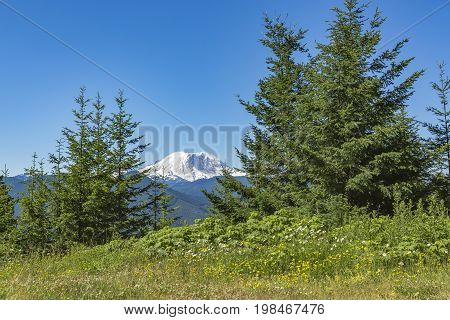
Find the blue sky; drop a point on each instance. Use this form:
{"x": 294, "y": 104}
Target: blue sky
{"x": 192, "y": 57}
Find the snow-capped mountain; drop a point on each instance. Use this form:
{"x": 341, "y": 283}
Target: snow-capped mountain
{"x": 189, "y": 167}
{"x": 187, "y": 174}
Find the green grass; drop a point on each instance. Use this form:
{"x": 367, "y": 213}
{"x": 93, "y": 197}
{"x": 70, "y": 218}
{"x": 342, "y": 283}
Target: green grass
{"x": 284, "y": 256}
{"x": 123, "y": 271}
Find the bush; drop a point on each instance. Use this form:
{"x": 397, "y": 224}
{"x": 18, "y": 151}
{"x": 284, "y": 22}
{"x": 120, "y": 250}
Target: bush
{"x": 8, "y": 249}
{"x": 289, "y": 242}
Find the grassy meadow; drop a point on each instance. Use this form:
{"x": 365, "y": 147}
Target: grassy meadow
{"x": 284, "y": 256}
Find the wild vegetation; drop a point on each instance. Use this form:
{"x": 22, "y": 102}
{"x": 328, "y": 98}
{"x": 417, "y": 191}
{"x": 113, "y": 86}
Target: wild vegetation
{"x": 95, "y": 191}
{"x": 345, "y": 198}
{"x": 286, "y": 255}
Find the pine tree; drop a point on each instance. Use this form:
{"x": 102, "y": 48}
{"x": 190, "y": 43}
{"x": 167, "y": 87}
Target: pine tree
{"x": 361, "y": 143}
{"x": 103, "y": 184}
{"x": 34, "y": 226}
{"x": 57, "y": 192}
{"x": 7, "y": 219}
{"x": 440, "y": 140}
{"x": 76, "y": 223}
{"x": 101, "y": 197}
{"x": 125, "y": 163}
{"x": 158, "y": 208}
{"x": 274, "y": 176}
{"x": 231, "y": 199}
{"x": 334, "y": 127}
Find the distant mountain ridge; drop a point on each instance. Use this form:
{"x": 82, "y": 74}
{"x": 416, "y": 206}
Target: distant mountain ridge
{"x": 186, "y": 175}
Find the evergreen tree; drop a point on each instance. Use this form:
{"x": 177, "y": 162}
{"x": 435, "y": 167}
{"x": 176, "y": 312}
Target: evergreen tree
{"x": 7, "y": 219}
{"x": 440, "y": 140}
{"x": 34, "y": 226}
{"x": 335, "y": 127}
{"x": 231, "y": 199}
{"x": 157, "y": 215}
{"x": 270, "y": 167}
{"x": 361, "y": 143}
{"x": 125, "y": 163}
{"x": 103, "y": 184}
{"x": 101, "y": 196}
{"x": 57, "y": 192}
{"x": 76, "y": 223}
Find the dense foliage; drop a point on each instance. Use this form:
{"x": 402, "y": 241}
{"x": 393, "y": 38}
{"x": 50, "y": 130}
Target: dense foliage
{"x": 330, "y": 125}
{"x": 285, "y": 256}
{"x": 7, "y": 221}
{"x": 34, "y": 232}
{"x": 95, "y": 192}
{"x": 439, "y": 142}
{"x": 277, "y": 243}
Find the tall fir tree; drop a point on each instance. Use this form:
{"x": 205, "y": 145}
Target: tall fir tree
{"x": 158, "y": 213}
{"x": 76, "y": 223}
{"x": 440, "y": 136}
{"x": 101, "y": 196}
{"x": 333, "y": 127}
{"x": 102, "y": 186}
{"x": 7, "y": 220}
{"x": 361, "y": 143}
{"x": 125, "y": 162}
{"x": 57, "y": 192}
{"x": 34, "y": 225}
{"x": 274, "y": 176}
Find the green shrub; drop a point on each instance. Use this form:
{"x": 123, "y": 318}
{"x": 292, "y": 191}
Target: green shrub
{"x": 290, "y": 242}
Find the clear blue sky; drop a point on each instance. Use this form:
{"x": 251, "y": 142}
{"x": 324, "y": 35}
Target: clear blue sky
{"x": 192, "y": 57}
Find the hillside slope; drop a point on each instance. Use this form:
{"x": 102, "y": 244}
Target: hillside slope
{"x": 284, "y": 256}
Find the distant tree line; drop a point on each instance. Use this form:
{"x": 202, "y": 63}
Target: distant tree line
{"x": 96, "y": 190}
{"x": 332, "y": 131}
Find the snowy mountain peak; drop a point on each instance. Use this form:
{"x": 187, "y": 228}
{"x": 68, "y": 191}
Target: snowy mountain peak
{"x": 189, "y": 166}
